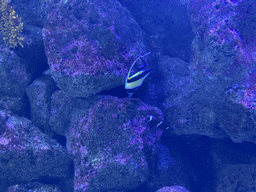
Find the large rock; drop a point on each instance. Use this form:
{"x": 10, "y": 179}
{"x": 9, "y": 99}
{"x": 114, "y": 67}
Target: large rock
{"x": 187, "y": 107}
{"x": 223, "y": 53}
{"x": 114, "y": 145}
{"x": 27, "y": 154}
{"x": 223, "y": 64}
{"x": 90, "y": 45}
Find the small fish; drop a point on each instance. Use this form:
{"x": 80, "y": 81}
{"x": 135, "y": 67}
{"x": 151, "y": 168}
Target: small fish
{"x": 136, "y": 80}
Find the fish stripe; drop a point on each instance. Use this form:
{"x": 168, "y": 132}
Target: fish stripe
{"x": 133, "y": 84}
{"x": 139, "y": 75}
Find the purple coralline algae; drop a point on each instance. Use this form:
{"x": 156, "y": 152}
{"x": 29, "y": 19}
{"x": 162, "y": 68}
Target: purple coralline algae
{"x": 33, "y": 187}
{"x": 90, "y": 45}
{"x": 224, "y": 50}
{"x": 113, "y": 144}
{"x": 223, "y": 64}
{"x": 173, "y": 189}
{"x": 27, "y": 154}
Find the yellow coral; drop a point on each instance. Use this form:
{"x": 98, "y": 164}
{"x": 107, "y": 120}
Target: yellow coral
{"x": 10, "y": 25}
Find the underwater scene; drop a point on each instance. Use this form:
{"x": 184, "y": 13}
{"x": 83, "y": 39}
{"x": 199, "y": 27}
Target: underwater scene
{"x": 128, "y": 96}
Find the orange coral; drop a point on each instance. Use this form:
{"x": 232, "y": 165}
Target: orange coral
{"x": 10, "y": 25}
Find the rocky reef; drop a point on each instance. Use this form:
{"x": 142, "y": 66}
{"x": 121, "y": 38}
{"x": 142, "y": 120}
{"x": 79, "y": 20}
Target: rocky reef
{"x": 68, "y": 125}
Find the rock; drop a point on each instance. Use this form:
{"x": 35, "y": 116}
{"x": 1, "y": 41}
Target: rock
{"x": 187, "y": 107}
{"x": 114, "y": 145}
{"x": 27, "y": 154}
{"x": 33, "y": 187}
{"x": 39, "y": 93}
{"x": 237, "y": 177}
{"x": 223, "y": 65}
{"x": 173, "y": 189}
{"x": 90, "y": 45}
{"x": 13, "y": 77}
{"x": 64, "y": 109}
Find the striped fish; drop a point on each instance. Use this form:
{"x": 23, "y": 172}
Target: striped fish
{"x": 136, "y": 80}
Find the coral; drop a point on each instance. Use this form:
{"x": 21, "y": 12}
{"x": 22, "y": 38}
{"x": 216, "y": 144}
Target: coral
{"x": 10, "y": 25}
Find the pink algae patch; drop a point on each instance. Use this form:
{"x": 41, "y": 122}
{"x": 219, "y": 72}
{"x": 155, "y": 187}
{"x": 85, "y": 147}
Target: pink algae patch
{"x": 4, "y": 141}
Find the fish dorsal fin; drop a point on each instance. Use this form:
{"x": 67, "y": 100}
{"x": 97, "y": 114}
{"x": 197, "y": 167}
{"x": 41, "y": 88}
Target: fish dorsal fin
{"x": 128, "y": 75}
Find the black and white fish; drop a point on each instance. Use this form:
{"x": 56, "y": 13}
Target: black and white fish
{"x": 136, "y": 80}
